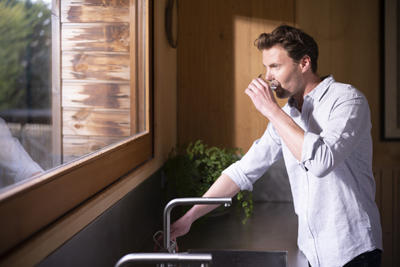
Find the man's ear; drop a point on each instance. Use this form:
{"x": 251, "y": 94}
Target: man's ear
{"x": 305, "y": 63}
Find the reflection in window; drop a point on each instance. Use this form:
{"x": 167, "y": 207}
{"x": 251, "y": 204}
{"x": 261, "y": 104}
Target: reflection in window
{"x": 71, "y": 80}
{"x": 25, "y": 46}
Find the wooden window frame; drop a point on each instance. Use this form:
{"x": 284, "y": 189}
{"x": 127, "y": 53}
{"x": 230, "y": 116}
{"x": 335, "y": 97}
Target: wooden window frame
{"x": 27, "y": 208}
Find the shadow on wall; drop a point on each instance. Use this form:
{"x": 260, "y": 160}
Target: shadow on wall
{"x": 274, "y": 185}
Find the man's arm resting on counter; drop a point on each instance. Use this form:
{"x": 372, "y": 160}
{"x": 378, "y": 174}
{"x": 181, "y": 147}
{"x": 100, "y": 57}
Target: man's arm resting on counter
{"x": 224, "y": 186}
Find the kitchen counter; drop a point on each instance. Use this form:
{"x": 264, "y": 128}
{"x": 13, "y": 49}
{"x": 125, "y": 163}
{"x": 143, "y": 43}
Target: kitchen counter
{"x": 272, "y": 227}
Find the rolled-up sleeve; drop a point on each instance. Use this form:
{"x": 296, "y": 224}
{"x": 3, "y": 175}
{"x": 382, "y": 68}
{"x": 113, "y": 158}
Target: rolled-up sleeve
{"x": 256, "y": 161}
{"x": 349, "y": 121}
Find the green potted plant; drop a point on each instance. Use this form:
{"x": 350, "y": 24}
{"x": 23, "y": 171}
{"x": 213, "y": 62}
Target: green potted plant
{"x": 191, "y": 170}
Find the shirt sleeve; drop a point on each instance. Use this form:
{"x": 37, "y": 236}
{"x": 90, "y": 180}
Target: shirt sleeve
{"x": 261, "y": 155}
{"x": 349, "y": 120}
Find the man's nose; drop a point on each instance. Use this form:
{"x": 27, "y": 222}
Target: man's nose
{"x": 269, "y": 76}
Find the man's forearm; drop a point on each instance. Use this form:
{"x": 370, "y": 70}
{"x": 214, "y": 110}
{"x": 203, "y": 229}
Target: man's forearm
{"x": 222, "y": 187}
{"x": 291, "y": 134}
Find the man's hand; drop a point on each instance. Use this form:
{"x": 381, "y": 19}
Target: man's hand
{"x": 262, "y": 97}
{"x": 224, "y": 186}
{"x": 265, "y": 102}
{"x": 180, "y": 227}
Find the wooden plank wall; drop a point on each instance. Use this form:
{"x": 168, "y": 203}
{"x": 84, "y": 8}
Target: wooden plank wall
{"x": 95, "y": 70}
{"x": 388, "y": 200}
{"x": 216, "y": 62}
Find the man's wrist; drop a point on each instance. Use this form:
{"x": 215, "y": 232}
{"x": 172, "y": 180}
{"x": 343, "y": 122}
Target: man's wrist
{"x": 273, "y": 112}
{"x": 190, "y": 215}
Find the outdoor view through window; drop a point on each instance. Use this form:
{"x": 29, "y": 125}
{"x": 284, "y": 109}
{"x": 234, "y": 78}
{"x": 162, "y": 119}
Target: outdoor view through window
{"x": 69, "y": 79}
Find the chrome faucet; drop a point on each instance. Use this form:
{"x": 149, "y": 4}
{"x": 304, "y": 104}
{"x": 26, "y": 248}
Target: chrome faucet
{"x": 186, "y": 201}
{"x": 172, "y": 257}
{"x": 165, "y": 258}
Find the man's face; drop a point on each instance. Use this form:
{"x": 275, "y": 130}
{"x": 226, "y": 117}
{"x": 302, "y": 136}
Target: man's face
{"x": 279, "y": 66}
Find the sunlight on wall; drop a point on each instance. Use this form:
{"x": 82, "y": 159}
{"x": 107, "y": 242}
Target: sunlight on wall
{"x": 249, "y": 123}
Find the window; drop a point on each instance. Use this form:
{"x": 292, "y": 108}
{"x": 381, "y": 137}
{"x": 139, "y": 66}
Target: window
{"x": 77, "y": 105}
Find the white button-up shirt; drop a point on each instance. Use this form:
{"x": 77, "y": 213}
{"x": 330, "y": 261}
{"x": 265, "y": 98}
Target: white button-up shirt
{"x": 333, "y": 186}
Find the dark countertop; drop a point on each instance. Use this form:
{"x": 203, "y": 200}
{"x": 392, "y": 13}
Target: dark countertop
{"x": 272, "y": 227}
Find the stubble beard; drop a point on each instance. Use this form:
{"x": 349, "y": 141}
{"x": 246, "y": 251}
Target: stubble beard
{"x": 282, "y": 93}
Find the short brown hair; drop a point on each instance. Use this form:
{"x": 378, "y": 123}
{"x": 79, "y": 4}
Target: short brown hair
{"x": 296, "y": 42}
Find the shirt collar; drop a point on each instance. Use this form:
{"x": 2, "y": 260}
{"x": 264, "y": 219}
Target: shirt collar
{"x": 318, "y": 92}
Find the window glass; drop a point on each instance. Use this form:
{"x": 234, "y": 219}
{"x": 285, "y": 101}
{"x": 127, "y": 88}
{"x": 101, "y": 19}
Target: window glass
{"x": 72, "y": 81}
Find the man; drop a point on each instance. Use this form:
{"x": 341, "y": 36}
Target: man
{"x": 323, "y": 134}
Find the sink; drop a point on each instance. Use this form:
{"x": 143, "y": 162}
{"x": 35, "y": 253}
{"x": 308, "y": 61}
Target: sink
{"x": 243, "y": 258}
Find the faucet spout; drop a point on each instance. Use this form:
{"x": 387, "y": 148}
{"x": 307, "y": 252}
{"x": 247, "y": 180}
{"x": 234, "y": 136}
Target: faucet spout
{"x": 186, "y": 201}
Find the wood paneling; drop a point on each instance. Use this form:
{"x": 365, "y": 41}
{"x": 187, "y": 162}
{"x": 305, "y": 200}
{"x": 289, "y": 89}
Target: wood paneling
{"x": 103, "y": 92}
{"x": 76, "y": 146}
{"x": 388, "y": 200}
{"x": 216, "y": 62}
{"x": 90, "y": 122}
{"x": 95, "y": 66}
{"x": 96, "y": 37}
{"x": 96, "y": 95}
{"x": 95, "y": 11}
{"x": 133, "y": 71}
{"x": 343, "y": 47}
